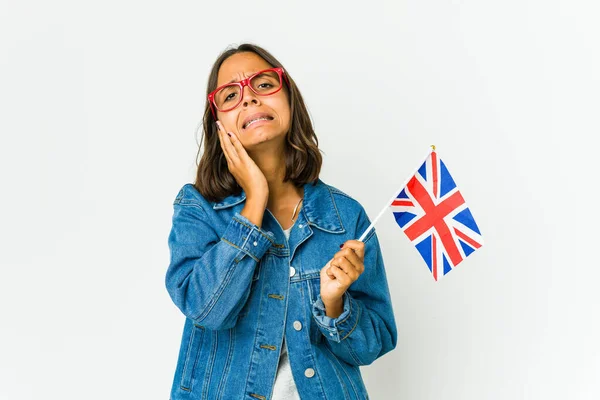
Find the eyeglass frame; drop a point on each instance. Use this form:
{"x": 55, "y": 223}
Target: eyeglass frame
{"x": 245, "y": 82}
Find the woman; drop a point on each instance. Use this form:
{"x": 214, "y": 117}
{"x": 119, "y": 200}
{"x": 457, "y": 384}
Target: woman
{"x": 281, "y": 301}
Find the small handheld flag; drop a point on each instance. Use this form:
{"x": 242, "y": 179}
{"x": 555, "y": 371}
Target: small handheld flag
{"x": 434, "y": 216}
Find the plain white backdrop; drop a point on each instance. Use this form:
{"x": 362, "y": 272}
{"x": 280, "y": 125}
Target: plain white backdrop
{"x": 99, "y": 106}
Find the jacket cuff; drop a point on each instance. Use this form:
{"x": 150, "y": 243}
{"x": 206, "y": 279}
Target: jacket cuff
{"x": 337, "y": 329}
{"x": 244, "y": 235}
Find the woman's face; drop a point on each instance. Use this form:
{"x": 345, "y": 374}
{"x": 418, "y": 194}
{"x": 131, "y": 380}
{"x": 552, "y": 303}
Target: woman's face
{"x": 238, "y": 67}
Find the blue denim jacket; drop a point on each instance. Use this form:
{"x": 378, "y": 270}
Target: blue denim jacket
{"x": 242, "y": 288}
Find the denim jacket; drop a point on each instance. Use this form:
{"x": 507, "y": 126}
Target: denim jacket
{"x": 242, "y": 288}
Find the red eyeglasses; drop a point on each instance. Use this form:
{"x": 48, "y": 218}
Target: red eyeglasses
{"x": 263, "y": 83}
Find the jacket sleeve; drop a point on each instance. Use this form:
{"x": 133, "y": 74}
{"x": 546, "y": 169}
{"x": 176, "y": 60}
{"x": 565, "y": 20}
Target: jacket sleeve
{"x": 209, "y": 276}
{"x": 366, "y": 329}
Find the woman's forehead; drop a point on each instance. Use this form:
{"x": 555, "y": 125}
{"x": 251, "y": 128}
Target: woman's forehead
{"x": 240, "y": 66}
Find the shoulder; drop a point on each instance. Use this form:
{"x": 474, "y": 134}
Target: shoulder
{"x": 351, "y": 211}
{"x": 189, "y": 195}
{"x": 344, "y": 200}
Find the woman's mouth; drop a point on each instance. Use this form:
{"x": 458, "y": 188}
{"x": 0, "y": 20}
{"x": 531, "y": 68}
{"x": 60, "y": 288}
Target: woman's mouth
{"x": 254, "y": 121}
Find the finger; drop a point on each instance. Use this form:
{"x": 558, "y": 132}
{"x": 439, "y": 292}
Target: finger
{"x": 227, "y": 145}
{"x": 357, "y": 246}
{"x": 351, "y": 255}
{"x": 347, "y": 267}
{"x": 342, "y": 278}
{"x": 239, "y": 148}
{"x": 225, "y": 153}
{"x": 328, "y": 270}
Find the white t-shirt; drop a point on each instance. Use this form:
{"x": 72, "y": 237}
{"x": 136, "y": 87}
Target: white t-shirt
{"x": 285, "y": 387}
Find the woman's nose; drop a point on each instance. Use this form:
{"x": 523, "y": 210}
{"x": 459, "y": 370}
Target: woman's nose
{"x": 249, "y": 95}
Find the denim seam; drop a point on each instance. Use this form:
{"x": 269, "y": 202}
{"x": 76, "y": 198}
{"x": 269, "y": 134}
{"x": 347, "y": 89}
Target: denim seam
{"x": 354, "y": 356}
{"x": 228, "y": 363}
{"x": 335, "y": 359}
{"x": 218, "y": 292}
{"x": 311, "y": 352}
{"x": 350, "y": 308}
{"x": 211, "y": 363}
{"x": 336, "y": 211}
{"x": 313, "y": 305}
{"x": 254, "y": 341}
{"x": 335, "y": 370}
{"x": 240, "y": 249}
{"x": 359, "y": 312}
{"x": 369, "y": 235}
{"x": 253, "y": 228}
{"x": 186, "y": 365}
{"x": 352, "y": 353}
{"x": 184, "y": 202}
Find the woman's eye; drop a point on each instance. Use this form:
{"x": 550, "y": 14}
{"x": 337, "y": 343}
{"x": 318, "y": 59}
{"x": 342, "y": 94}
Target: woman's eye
{"x": 229, "y": 97}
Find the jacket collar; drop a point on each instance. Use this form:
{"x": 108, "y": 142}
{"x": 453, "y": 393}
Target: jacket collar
{"x": 318, "y": 206}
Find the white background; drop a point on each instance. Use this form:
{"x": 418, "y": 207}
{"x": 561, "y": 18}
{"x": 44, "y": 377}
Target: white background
{"x": 99, "y": 107}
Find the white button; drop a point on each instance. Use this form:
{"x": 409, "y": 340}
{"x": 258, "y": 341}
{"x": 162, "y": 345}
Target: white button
{"x": 330, "y": 334}
{"x": 297, "y": 325}
{"x": 300, "y": 226}
{"x": 255, "y": 243}
{"x": 309, "y": 372}
{"x": 292, "y": 271}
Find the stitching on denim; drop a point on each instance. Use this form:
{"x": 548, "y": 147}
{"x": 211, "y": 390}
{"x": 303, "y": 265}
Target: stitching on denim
{"x": 187, "y": 361}
{"x": 255, "y": 336}
{"x": 240, "y": 249}
{"x": 211, "y": 363}
{"x": 307, "y": 333}
{"x": 352, "y": 353}
{"x": 252, "y": 228}
{"x": 338, "y": 191}
{"x": 369, "y": 235}
{"x": 350, "y": 312}
{"x": 335, "y": 359}
{"x": 342, "y": 383}
{"x": 219, "y": 291}
{"x": 225, "y": 376}
{"x": 336, "y": 211}
{"x": 200, "y": 340}
{"x": 359, "y": 312}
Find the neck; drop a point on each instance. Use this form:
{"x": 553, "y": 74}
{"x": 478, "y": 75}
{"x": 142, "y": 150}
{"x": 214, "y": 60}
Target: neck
{"x": 281, "y": 194}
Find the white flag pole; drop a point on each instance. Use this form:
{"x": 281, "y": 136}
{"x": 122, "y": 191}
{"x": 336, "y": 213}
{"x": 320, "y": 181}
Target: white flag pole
{"x": 393, "y": 197}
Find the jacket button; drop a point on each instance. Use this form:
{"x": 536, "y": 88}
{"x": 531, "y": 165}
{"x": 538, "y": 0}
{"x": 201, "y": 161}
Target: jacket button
{"x": 292, "y": 271}
{"x": 255, "y": 243}
{"x": 297, "y": 325}
{"x": 309, "y": 372}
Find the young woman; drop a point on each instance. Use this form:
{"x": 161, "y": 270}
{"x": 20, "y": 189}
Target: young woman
{"x": 281, "y": 300}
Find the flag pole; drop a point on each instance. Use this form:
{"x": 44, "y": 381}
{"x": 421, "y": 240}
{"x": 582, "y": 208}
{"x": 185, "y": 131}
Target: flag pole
{"x": 394, "y": 196}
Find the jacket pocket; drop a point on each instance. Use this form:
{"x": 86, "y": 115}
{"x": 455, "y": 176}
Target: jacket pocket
{"x": 191, "y": 358}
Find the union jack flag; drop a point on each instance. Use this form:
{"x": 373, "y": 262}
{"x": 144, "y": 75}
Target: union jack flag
{"x": 432, "y": 213}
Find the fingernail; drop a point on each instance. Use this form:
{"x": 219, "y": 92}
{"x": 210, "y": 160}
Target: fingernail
{"x": 218, "y": 125}
{"x": 341, "y": 245}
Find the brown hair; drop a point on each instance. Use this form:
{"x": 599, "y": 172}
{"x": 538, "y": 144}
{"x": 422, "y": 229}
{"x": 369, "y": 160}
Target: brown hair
{"x": 302, "y": 154}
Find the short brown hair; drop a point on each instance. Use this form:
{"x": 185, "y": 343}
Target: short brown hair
{"x": 302, "y": 154}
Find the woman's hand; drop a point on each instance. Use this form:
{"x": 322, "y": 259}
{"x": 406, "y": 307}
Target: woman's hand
{"x": 242, "y": 167}
{"x": 341, "y": 271}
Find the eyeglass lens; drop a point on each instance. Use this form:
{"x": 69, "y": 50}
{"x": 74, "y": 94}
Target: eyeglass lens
{"x": 263, "y": 84}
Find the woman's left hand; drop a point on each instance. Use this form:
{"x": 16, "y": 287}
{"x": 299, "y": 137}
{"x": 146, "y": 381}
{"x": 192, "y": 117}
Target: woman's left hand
{"x": 344, "y": 268}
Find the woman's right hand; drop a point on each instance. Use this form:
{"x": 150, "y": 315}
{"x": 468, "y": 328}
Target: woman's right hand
{"x": 242, "y": 167}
